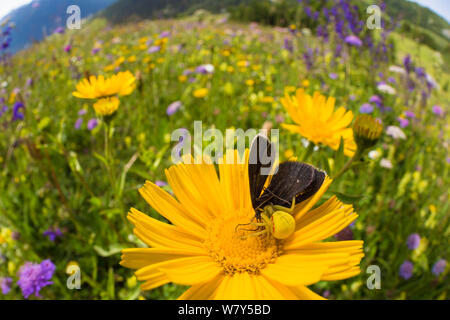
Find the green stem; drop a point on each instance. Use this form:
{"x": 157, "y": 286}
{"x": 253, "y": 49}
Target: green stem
{"x": 347, "y": 165}
{"x": 309, "y": 151}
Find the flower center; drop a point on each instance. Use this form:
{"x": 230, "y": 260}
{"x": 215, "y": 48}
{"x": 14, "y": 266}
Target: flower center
{"x": 240, "y": 250}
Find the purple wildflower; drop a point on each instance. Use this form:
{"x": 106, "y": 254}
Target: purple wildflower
{"x": 35, "y": 276}
{"x": 406, "y": 270}
{"x": 439, "y": 267}
{"x": 154, "y": 49}
{"x": 160, "y": 183}
{"x": 407, "y": 63}
{"x": 5, "y": 285}
{"x": 403, "y": 123}
{"x": 366, "y": 108}
{"x": 82, "y": 112}
{"x": 353, "y": 40}
{"x": 205, "y": 69}
{"x": 376, "y": 99}
{"x": 410, "y": 114}
{"x": 16, "y": 114}
{"x": 95, "y": 50}
{"x": 173, "y": 107}
{"x": 437, "y": 110}
{"x": 68, "y": 48}
{"x": 3, "y": 110}
{"x": 92, "y": 124}
{"x": 78, "y": 123}
{"x": 420, "y": 72}
{"x": 164, "y": 34}
{"x": 413, "y": 241}
{"x": 53, "y": 233}
{"x": 287, "y": 44}
{"x": 59, "y": 30}
{"x": 333, "y": 75}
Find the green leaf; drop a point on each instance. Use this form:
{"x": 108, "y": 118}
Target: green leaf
{"x": 112, "y": 250}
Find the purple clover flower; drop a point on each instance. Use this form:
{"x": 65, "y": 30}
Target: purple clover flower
{"x": 366, "y": 108}
{"x": 353, "y": 40}
{"x": 173, "y": 107}
{"x": 403, "y": 123}
{"x": 78, "y": 123}
{"x": 333, "y": 75}
{"x": 410, "y": 114}
{"x": 154, "y": 49}
{"x": 437, "y": 110}
{"x": 376, "y": 99}
{"x": 5, "y": 285}
{"x": 35, "y": 276}
{"x": 406, "y": 270}
{"x": 439, "y": 267}
{"x": 413, "y": 241}
{"x": 92, "y": 123}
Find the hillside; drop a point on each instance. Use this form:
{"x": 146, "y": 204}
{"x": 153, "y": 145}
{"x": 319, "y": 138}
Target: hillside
{"x": 128, "y": 10}
{"x": 34, "y": 22}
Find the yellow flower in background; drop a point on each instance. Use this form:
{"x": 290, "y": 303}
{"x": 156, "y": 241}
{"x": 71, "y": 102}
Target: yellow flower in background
{"x": 182, "y": 78}
{"x": 121, "y": 84}
{"x": 107, "y": 106}
{"x": 250, "y": 82}
{"x": 201, "y": 248}
{"x": 201, "y": 93}
{"x": 317, "y": 121}
{"x": 305, "y": 83}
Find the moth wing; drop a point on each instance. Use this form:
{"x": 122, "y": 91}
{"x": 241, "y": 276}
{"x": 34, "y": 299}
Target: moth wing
{"x": 293, "y": 179}
{"x": 319, "y": 177}
{"x": 261, "y": 160}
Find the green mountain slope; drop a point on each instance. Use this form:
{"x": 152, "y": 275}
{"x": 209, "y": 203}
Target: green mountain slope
{"x": 130, "y": 10}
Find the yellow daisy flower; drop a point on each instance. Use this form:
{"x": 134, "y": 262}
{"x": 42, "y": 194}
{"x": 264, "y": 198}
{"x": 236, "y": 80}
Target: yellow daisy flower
{"x": 107, "y": 106}
{"x": 200, "y": 93}
{"x": 121, "y": 84}
{"x": 317, "y": 120}
{"x": 202, "y": 249}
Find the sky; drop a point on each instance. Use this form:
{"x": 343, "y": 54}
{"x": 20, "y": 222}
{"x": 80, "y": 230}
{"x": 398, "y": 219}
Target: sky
{"x": 442, "y": 7}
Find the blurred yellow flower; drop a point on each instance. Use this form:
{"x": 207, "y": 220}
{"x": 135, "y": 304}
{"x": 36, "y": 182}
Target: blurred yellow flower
{"x": 317, "y": 121}
{"x": 243, "y": 64}
{"x": 200, "y": 93}
{"x": 107, "y": 106}
{"x": 305, "y": 83}
{"x": 250, "y": 82}
{"x": 182, "y": 78}
{"x": 121, "y": 84}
